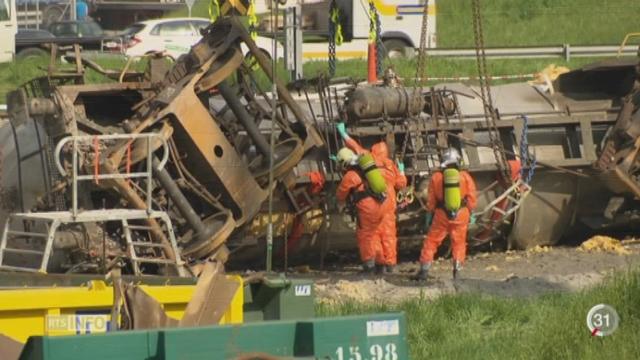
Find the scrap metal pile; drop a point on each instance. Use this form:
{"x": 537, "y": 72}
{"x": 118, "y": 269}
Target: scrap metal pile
{"x": 208, "y": 170}
{"x": 170, "y": 166}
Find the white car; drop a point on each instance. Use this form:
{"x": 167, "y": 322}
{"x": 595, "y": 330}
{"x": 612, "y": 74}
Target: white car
{"x": 175, "y": 36}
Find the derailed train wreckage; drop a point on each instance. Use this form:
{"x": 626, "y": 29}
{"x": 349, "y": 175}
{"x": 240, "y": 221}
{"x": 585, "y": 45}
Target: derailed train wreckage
{"x": 171, "y": 165}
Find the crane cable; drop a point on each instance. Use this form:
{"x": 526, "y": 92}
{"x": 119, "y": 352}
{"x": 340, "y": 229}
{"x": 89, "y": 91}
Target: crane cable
{"x": 485, "y": 93}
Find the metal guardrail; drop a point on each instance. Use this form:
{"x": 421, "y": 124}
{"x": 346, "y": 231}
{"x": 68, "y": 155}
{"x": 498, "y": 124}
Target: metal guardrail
{"x": 566, "y": 51}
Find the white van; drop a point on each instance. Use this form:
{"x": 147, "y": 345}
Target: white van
{"x": 400, "y": 20}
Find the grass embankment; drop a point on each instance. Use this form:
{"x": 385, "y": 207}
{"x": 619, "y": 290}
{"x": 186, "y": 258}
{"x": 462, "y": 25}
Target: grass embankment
{"x": 14, "y": 74}
{"x": 539, "y": 22}
{"x": 472, "y": 326}
{"x": 523, "y": 22}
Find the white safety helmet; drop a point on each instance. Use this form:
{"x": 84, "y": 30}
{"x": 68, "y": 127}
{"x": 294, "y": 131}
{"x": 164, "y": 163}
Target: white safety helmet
{"x": 346, "y": 157}
{"x": 449, "y": 157}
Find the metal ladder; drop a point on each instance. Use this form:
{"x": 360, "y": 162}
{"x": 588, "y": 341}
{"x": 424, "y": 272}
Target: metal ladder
{"x": 132, "y": 245}
{"x": 10, "y": 234}
{"x": 74, "y": 216}
{"x": 514, "y": 197}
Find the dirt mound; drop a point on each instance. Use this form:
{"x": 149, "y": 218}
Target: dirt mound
{"x": 600, "y": 243}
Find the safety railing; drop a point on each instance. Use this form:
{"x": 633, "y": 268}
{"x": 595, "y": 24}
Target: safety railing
{"x": 626, "y": 39}
{"x": 95, "y": 141}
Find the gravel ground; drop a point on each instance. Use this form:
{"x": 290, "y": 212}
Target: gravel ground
{"x": 511, "y": 273}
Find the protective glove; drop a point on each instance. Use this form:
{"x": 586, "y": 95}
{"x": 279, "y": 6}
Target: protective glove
{"x": 400, "y": 167}
{"x": 472, "y": 219}
{"x": 428, "y": 219}
{"x": 342, "y": 130}
{"x": 333, "y": 158}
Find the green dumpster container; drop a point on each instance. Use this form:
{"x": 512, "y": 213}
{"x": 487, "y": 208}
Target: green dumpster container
{"x": 371, "y": 337}
{"x": 279, "y": 298}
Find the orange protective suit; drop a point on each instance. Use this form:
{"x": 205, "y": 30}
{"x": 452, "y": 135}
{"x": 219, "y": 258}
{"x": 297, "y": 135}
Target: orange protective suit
{"x": 370, "y": 214}
{"x": 442, "y": 225}
{"x": 395, "y": 181}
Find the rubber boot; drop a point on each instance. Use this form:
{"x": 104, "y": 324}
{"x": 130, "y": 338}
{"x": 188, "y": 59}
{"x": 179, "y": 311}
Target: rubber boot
{"x": 368, "y": 267}
{"x": 423, "y": 273}
{"x": 389, "y": 269}
{"x": 379, "y": 269}
{"x": 457, "y": 267}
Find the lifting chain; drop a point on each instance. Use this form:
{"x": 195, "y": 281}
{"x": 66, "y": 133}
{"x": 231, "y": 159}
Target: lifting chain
{"x": 335, "y": 35}
{"x": 252, "y": 20}
{"x": 421, "y": 65}
{"x": 374, "y": 35}
{"x": 485, "y": 93}
{"x": 417, "y": 93}
{"x": 527, "y": 159}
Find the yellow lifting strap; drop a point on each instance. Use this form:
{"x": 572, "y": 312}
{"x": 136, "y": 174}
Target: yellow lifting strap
{"x": 335, "y": 19}
{"x": 214, "y": 10}
{"x": 252, "y": 19}
{"x": 373, "y": 22}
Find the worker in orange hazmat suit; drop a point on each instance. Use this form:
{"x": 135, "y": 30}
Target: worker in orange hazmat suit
{"x": 451, "y": 198}
{"x": 396, "y": 180}
{"x": 370, "y": 207}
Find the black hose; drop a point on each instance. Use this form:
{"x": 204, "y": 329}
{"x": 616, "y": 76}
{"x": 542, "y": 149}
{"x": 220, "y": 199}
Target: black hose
{"x": 19, "y": 158}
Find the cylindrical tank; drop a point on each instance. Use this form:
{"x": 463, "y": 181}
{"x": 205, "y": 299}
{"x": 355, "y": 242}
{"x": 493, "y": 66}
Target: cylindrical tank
{"x": 372, "y": 173}
{"x": 452, "y": 200}
{"x": 374, "y": 102}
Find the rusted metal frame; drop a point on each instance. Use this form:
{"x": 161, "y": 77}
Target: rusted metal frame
{"x": 573, "y": 142}
{"x": 284, "y": 124}
{"x": 518, "y": 128}
{"x": 193, "y": 184}
{"x": 472, "y": 151}
{"x": 72, "y": 91}
{"x": 478, "y": 126}
{"x": 132, "y": 196}
{"x": 312, "y": 134}
{"x": 244, "y": 118}
{"x": 137, "y": 202}
{"x": 588, "y": 147}
{"x": 186, "y": 107}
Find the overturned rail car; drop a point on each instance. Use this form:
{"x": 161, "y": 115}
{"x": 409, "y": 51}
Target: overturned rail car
{"x": 186, "y": 176}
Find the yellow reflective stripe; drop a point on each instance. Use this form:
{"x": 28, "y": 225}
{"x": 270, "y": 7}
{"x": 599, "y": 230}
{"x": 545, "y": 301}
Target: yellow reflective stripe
{"x": 384, "y": 8}
{"x": 393, "y": 10}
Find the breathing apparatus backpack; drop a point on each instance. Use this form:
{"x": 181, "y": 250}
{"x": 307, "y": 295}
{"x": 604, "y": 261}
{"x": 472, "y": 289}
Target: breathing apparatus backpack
{"x": 374, "y": 183}
{"x": 452, "y": 193}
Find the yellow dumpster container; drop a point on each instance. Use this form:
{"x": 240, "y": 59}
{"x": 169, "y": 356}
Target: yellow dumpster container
{"x": 86, "y": 309}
